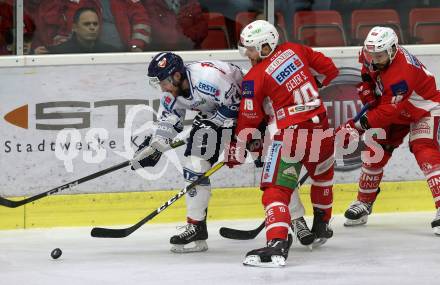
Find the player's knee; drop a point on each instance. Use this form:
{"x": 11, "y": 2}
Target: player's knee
{"x": 422, "y": 145}
{"x": 274, "y": 194}
{"x": 427, "y": 154}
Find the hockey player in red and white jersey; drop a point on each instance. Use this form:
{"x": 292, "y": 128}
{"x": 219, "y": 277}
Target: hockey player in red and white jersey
{"x": 283, "y": 73}
{"x": 403, "y": 99}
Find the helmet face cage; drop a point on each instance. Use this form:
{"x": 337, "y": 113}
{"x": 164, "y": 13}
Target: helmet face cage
{"x": 257, "y": 34}
{"x": 163, "y": 66}
{"x": 154, "y": 82}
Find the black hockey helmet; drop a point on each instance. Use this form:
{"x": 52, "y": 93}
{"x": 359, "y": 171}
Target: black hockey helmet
{"x": 164, "y": 65}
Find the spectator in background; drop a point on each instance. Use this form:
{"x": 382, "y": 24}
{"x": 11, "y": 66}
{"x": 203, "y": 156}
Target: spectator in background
{"x": 176, "y": 24}
{"x": 7, "y": 27}
{"x": 85, "y": 35}
{"x": 6, "y": 23}
{"x": 124, "y": 23}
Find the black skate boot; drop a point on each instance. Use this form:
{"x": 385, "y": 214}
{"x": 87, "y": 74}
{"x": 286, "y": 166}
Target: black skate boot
{"x": 358, "y": 212}
{"x": 273, "y": 255}
{"x": 436, "y": 223}
{"x": 302, "y": 231}
{"x": 196, "y": 233}
{"x": 320, "y": 228}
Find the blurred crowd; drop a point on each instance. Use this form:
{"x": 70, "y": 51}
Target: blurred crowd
{"x": 104, "y": 26}
{"x": 80, "y": 26}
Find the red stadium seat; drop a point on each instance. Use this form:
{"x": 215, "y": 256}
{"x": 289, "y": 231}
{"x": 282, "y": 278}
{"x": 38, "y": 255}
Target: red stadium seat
{"x": 244, "y": 18}
{"x": 424, "y": 25}
{"x": 363, "y": 20}
{"x": 218, "y": 37}
{"x": 241, "y": 20}
{"x": 319, "y": 28}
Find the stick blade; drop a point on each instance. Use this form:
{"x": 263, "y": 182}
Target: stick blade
{"x": 237, "y": 234}
{"x": 109, "y": 233}
{"x": 9, "y": 203}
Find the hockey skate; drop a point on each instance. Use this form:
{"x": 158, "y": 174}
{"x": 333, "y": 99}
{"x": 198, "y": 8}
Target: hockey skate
{"x": 302, "y": 232}
{"x": 274, "y": 255}
{"x": 436, "y": 223}
{"x": 320, "y": 228}
{"x": 357, "y": 213}
{"x": 196, "y": 233}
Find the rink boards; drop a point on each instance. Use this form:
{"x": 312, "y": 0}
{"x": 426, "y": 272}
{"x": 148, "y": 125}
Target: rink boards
{"x": 225, "y": 204}
{"x": 95, "y": 96}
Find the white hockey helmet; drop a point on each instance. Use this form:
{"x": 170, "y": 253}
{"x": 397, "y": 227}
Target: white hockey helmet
{"x": 381, "y": 39}
{"x": 256, "y": 34}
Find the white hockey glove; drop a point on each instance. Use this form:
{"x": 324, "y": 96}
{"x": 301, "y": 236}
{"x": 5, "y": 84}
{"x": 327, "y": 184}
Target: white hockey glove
{"x": 146, "y": 155}
{"x": 150, "y": 151}
{"x": 164, "y": 135}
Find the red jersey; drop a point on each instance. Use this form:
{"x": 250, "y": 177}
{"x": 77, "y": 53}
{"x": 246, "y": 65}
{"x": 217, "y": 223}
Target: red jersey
{"x": 286, "y": 78}
{"x": 408, "y": 91}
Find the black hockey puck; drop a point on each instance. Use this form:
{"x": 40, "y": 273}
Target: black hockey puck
{"x": 56, "y": 253}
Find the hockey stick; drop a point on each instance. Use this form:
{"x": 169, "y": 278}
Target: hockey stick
{"x": 14, "y": 204}
{"x": 121, "y": 233}
{"x": 251, "y": 234}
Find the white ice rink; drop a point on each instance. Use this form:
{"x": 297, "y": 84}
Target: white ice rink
{"x": 392, "y": 249}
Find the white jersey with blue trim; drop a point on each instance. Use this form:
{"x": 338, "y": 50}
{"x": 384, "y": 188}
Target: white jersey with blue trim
{"x": 215, "y": 91}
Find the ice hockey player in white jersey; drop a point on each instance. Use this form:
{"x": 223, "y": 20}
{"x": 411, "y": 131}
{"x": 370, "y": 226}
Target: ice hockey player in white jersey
{"x": 214, "y": 89}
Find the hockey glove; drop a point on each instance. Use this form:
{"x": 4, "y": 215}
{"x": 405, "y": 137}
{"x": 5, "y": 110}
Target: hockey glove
{"x": 146, "y": 155}
{"x": 236, "y": 154}
{"x": 350, "y": 131}
{"x": 367, "y": 94}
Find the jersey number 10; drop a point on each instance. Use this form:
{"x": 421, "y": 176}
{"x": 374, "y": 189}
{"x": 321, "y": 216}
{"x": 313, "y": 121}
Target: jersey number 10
{"x": 305, "y": 93}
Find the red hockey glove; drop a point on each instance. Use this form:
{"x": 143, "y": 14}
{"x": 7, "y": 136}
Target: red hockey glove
{"x": 350, "y": 131}
{"x": 236, "y": 154}
{"x": 367, "y": 94}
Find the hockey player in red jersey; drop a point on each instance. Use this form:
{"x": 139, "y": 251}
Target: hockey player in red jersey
{"x": 404, "y": 99}
{"x": 283, "y": 74}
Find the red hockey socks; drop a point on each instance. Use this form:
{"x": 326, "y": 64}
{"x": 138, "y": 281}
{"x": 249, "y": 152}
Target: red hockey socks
{"x": 321, "y": 194}
{"x": 275, "y": 202}
{"x": 434, "y": 185}
{"x": 369, "y": 184}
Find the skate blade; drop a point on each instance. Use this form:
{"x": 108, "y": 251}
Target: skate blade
{"x": 199, "y": 246}
{"x": 307, "y": 242}
{"x": 358, "y": 222}
{"x": 255, "y": 261}
{"x": 436, "y": 231}
{"x": 318, "y": 242}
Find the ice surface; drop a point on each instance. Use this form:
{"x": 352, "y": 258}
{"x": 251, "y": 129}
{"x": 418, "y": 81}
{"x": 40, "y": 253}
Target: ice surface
{"x": 392, "y": 249}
